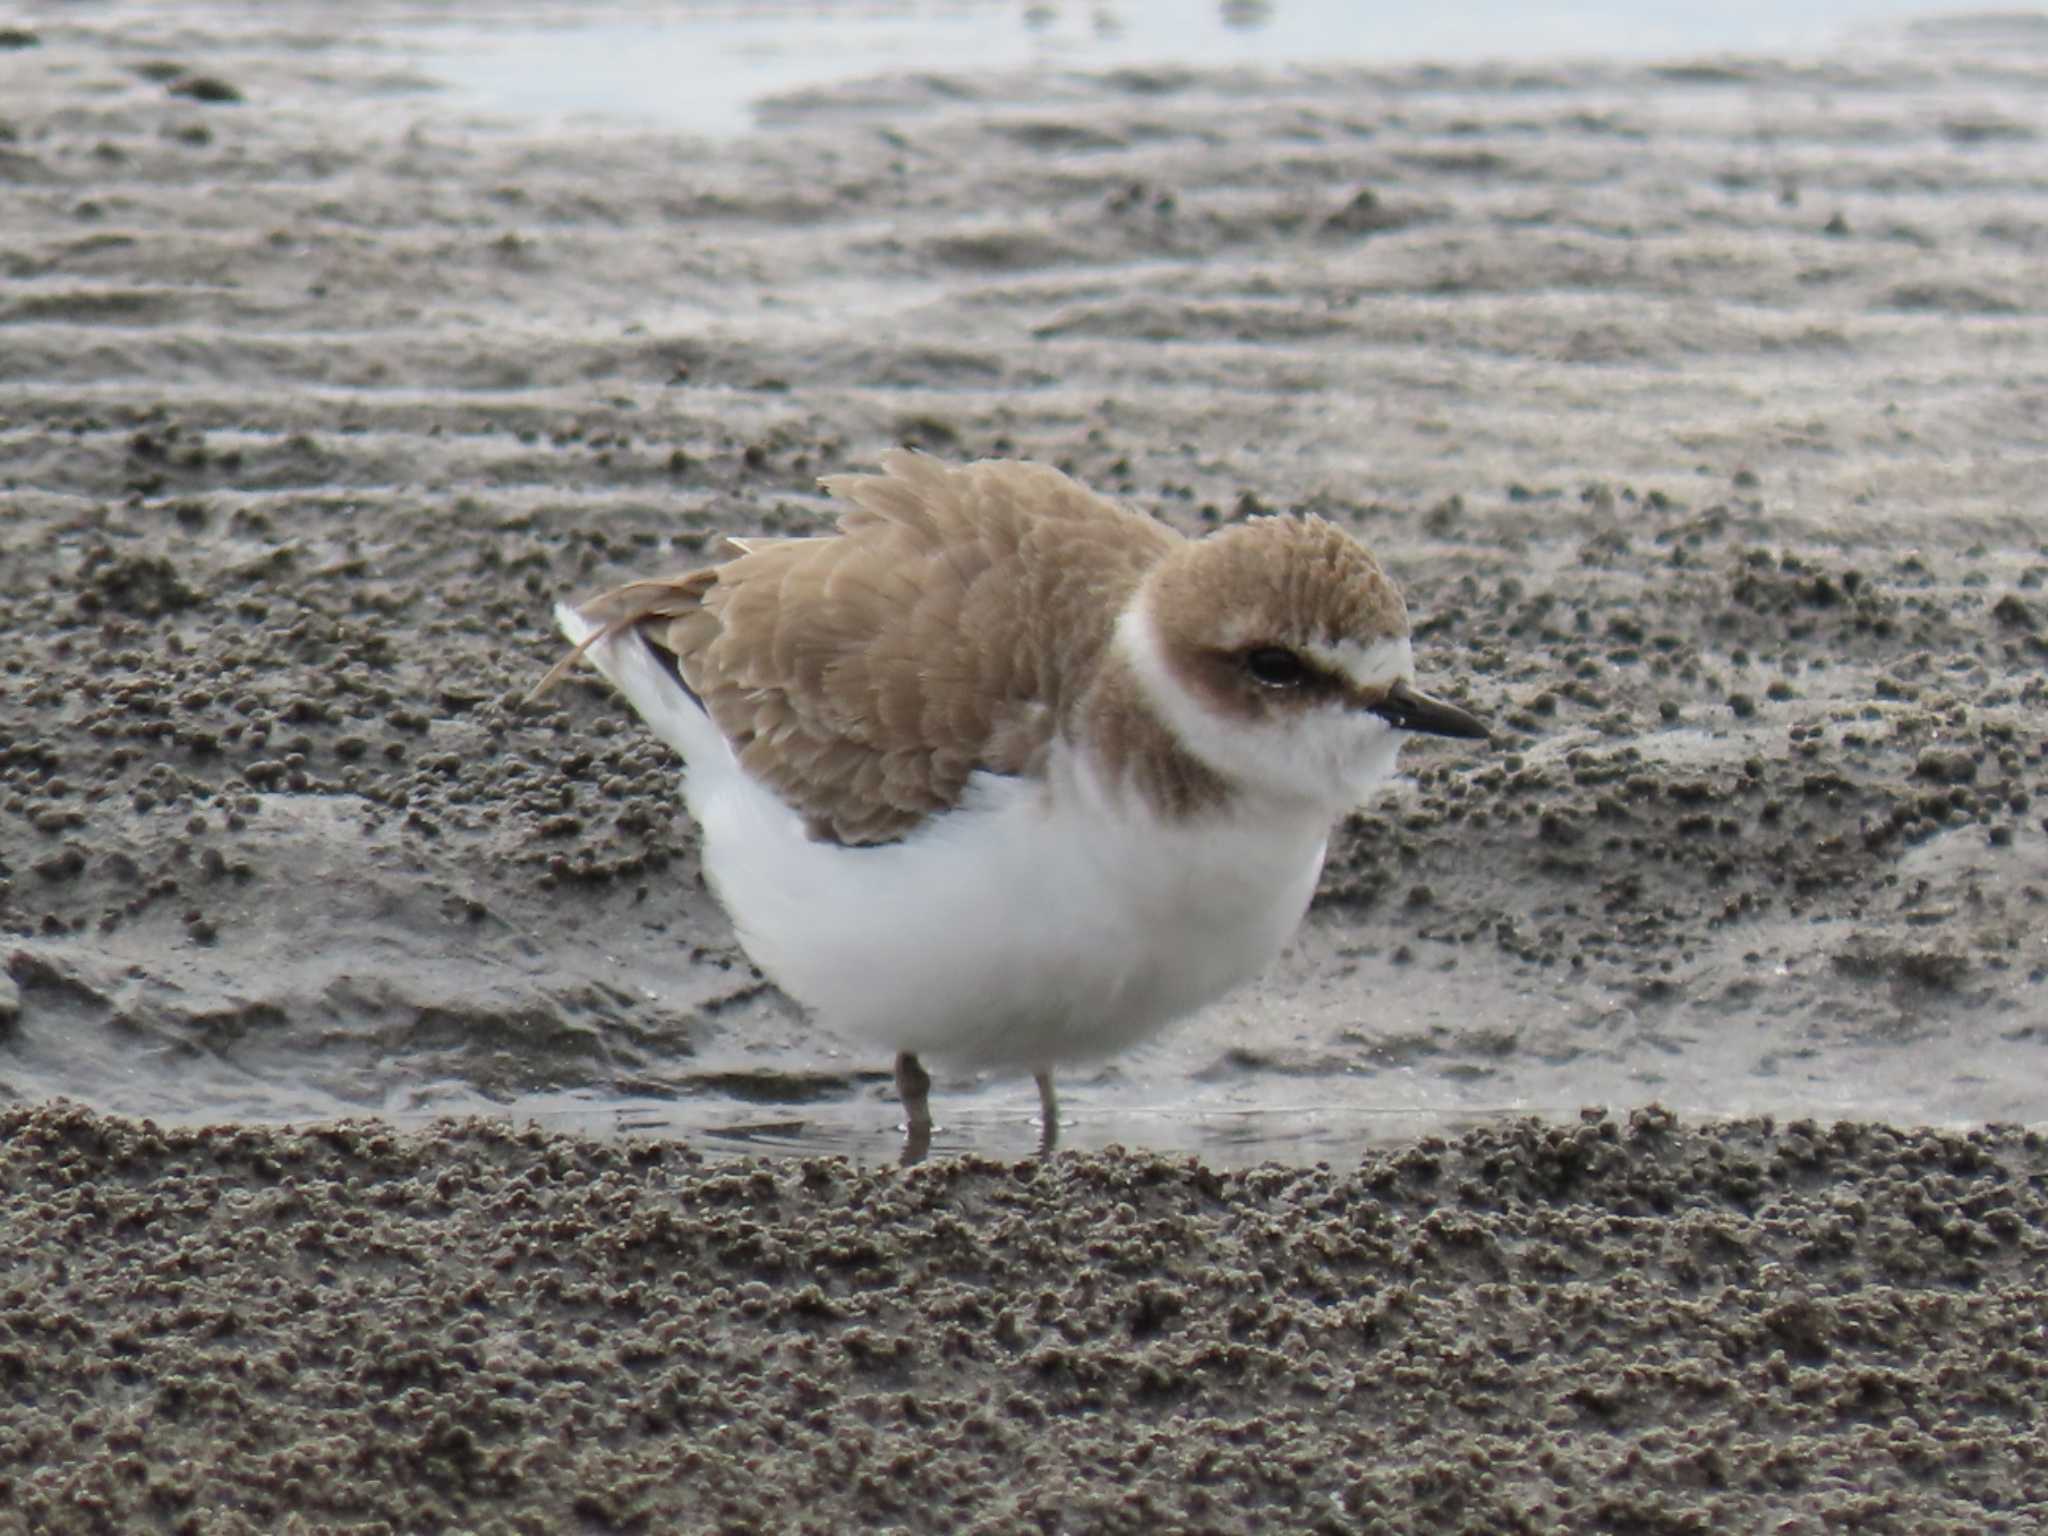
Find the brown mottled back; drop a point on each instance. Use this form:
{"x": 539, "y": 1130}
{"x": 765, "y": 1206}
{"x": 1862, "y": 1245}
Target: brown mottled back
{"x": 956, "y": 619}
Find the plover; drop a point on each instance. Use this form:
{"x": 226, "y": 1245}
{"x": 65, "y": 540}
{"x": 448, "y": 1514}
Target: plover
{"x": 1005, "y": 774}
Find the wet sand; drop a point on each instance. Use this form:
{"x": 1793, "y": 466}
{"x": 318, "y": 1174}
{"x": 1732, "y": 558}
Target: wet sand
{"x": 1698, "y": 409}
{"x": 1604, "y": 1326}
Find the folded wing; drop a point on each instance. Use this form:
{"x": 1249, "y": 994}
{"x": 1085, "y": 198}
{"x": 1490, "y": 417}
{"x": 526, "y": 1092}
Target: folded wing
{"x": 948, "y": 628}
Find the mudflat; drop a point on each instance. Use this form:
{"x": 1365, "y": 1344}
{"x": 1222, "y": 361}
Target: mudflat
{"x": 1699, "y": 410}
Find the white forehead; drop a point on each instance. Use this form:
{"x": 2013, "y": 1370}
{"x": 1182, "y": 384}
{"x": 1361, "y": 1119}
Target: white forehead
{"x": 1367, "y": 663}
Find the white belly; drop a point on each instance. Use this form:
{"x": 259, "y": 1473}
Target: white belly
{"x": 1021, "y": 930}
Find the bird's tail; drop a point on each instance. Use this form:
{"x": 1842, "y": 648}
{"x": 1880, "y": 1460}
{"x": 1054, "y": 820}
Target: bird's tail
{"x": 634, "y": 665}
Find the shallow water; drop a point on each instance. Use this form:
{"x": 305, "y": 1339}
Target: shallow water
{"x": 715, "y": 69}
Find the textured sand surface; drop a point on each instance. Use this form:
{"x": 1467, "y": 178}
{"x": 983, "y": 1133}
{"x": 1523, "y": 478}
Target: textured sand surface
{"x": 1599, "y": 1327}
{"x": 1699, "y": 409}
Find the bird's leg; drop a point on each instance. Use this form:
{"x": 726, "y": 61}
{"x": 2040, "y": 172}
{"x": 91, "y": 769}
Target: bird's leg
{"x": 913, "y": 1088}
{"x": 1048, "y": 1114}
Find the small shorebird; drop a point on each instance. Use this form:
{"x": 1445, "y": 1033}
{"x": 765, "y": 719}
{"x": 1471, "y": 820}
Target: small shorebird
{"x": 1009, "y": 775}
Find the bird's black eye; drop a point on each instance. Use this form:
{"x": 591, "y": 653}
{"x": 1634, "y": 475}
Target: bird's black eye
{"x": 1274, "y": 666}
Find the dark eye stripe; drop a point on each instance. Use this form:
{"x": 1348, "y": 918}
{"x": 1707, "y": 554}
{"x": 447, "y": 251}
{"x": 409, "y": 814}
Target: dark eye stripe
{"x": 1274, "y": 666}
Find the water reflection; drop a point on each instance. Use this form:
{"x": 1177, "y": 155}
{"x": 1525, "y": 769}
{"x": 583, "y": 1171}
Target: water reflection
{"x": 704, "y": 68}
{"x": 1107, "y": 21}
{"x": 869, "y": 1133}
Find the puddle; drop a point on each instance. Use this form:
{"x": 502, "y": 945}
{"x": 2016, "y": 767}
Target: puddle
{"x": 715, "y": 69}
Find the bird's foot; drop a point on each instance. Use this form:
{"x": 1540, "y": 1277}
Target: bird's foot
{"x": 1048, "y": 1115}
{"x": 914, "y": 1089}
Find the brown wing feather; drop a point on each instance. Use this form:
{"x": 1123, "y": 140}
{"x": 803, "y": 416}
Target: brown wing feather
{"x": 952, "y": 625}
{"x": 646, "y": 604}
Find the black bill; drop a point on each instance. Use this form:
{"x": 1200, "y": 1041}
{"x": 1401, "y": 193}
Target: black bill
{"x": 1409, "y": 709}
